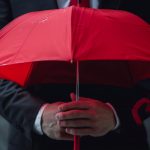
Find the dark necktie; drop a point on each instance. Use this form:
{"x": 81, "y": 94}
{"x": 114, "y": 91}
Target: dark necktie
{"x": 83, "y": 3}
{"x": 73, "y": 2}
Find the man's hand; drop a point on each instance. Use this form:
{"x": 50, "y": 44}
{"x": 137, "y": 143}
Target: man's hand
{"x": 86, "y": 117}
{"x": 50, "y": 125}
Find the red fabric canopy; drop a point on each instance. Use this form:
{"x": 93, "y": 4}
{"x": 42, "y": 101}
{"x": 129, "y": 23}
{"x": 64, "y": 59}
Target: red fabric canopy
{"x": 34, "y": 45}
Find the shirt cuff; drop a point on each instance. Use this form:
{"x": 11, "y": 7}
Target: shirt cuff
{"x": 116, "y": 116}
{"x": 37, "y": 124}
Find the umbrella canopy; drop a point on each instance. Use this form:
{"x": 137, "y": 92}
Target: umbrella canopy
{"x": 116, "y": 43}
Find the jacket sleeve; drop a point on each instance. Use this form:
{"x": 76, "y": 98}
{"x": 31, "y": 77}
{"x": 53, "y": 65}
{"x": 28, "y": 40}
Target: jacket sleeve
{"x": 5, "y": 13}
{"x": 18, "y": 106}
{"x": 129, "y": 131}
{"x": 143, "y": 105}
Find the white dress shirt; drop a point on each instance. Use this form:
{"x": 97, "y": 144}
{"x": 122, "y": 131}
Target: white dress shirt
{"x": 37, "y": 123}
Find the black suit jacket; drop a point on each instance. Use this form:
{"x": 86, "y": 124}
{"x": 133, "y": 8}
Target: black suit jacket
{"x": 20, "y": 106}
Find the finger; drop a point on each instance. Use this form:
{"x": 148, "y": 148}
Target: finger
{"x": 73, "y": 96}
{"x": 74, "y": 105}
{"x": 74, "y": 114}
{"x": 79, "y": 131}
{"x": 60, "y": 134}
{"x": 66, "y": 136}
{"x": 76, "y": 123}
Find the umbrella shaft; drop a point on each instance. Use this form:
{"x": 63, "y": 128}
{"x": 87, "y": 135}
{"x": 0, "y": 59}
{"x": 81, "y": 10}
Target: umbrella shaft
{"x": 76, "y": 142}
{"x": 77, "y": 81}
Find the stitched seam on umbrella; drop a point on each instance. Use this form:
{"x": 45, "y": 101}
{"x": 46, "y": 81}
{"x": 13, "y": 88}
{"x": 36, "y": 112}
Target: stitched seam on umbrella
{"x": 5, "y": 28}
{"x": 69, "y": 36}
{"x": 16, "y": 25}
{"x": 74, "y": 33}
{"x": 79, "y": 24}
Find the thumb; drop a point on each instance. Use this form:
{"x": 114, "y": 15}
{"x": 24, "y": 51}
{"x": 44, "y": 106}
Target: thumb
{"x": 73, "y": 96}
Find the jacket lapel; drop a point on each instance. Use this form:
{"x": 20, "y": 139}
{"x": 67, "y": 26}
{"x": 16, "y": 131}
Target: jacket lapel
{"x": 53, "y": 4}
{"x": 110, "y": 4}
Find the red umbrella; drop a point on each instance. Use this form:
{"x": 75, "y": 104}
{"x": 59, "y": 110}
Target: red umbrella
{"x": 75, "y": 34}
{"x": 113, "y": 47}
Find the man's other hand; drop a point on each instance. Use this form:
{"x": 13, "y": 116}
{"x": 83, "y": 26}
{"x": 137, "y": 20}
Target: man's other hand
{"x": 50, "y": 125}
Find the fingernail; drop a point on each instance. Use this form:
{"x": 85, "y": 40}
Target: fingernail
{"x": 57, "y": 117}
{"x": 60, "y": 108}
{"x": 66, "y": 130}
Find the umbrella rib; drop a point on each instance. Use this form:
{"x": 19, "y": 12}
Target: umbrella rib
{"x": 18, "y": 52}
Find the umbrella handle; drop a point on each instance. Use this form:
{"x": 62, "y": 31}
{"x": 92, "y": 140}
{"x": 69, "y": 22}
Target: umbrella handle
{"x": 76, "y": 143}
{"x": 136, "y": 108}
